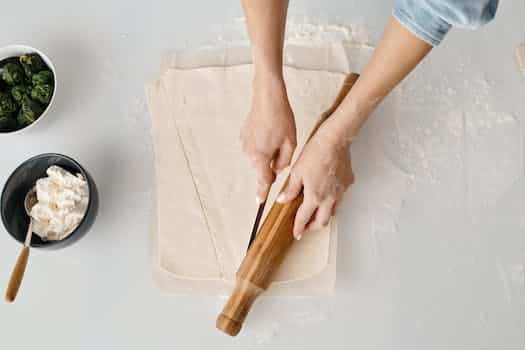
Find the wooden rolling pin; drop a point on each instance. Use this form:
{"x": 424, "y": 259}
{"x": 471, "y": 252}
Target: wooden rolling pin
{"x": 269, "y": 248}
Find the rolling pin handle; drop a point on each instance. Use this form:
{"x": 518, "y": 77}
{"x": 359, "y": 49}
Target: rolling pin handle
{"x": 232, "y": 316}
{"x": 228, "y": 326}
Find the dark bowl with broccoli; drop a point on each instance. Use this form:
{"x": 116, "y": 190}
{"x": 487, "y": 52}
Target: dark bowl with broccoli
{"x": 27, "y": 87}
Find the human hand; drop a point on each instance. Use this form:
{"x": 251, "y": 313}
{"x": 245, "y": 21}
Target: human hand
{"x": 324, "y": 171}
{"x": 268, "y": 135}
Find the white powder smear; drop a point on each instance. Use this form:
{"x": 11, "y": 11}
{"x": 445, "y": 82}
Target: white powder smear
{"x": 512, "y": 279}
{"x": 272, "y": 317}
{"x": 300, "y": 32}
{"x": 444, "y": 133}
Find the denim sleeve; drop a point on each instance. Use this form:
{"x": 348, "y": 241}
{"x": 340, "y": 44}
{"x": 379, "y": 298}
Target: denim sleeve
{"x": 430, "y": 20}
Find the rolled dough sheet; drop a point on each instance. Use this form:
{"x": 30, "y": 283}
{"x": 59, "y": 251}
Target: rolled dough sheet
{"x": 203, "y": 206}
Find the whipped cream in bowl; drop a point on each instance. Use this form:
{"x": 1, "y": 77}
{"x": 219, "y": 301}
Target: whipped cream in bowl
{"x": 62, "y": 201}
{"x": 67, "y": 201}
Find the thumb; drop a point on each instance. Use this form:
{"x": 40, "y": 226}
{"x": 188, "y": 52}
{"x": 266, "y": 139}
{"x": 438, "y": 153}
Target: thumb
{"x": 292, "y": 190}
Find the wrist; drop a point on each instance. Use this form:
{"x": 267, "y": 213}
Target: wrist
{"x": 342, "y": 127}
{"x": 334, "y": 134}
{"x": 268, "y": 79}
{"x": 270, "y": 86}
{"x": 349, "y": 117}
{"x": 268, "y": 63}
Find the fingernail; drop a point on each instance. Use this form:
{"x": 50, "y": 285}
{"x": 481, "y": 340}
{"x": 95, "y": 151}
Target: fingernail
{"x": 281, "y": 198}
{"x": 258, "y": 200}
{"x": 298, "y": 237}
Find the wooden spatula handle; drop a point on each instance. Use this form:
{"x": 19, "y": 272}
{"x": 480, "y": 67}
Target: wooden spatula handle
{"x": 17, "y": 275}
{"x": 269, "y": 248}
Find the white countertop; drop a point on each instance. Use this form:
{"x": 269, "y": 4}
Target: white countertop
{"x": 444, "y": 270}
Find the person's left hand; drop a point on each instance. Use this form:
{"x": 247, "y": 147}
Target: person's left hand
{"x": 324, "y": 170}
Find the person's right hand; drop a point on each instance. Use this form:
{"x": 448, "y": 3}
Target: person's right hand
{"x": 268, "y": 135}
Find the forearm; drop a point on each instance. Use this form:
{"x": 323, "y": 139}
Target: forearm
{"x": 397, "y": 54}
{"x": 266, "y": 26}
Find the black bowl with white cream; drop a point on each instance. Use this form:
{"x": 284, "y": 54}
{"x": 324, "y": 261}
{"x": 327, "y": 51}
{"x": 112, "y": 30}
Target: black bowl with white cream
{"x": 52, "y": 170}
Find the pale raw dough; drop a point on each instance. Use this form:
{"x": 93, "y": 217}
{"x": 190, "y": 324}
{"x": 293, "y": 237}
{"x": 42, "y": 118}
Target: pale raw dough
{"x": 204, "y": 205}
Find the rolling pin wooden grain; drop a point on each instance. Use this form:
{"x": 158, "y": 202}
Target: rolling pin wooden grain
{"x": 269, "y": 248}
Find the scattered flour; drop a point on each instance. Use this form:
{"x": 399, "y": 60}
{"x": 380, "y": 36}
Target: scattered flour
{"x": 136, "y": 110}
{"x": 444, "y": 132}
{"x": 512, "y": 279}
{"x": 275, "y": 316}
{"x": 267, "y": 333}
{"x": 301, "y": 32}
{"x": 318, "y": 34}
{"x": 517, "y": 275}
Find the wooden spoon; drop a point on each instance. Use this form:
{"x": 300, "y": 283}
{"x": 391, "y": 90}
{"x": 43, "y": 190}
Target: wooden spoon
{"x": 18, "y": 272}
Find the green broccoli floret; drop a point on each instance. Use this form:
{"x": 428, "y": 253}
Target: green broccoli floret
{"x": 19, "y": 91}
{"x": 43, "y": 77}
{"x": 32, "y": 63}
{"x": 13, "y": 74}
{"x": 42, "y": 93}
{"x": 29, "y": 112}
{"x": 7, "y": 105}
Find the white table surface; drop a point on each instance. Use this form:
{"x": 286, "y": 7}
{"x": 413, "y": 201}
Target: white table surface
{"x": 448, "y": 272}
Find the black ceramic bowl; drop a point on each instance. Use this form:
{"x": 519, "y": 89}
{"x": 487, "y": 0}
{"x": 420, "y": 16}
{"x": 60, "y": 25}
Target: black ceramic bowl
{"x": 22, "y": 180}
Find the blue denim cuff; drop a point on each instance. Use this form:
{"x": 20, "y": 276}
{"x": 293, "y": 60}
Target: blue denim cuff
{"x": 424, "y": 24}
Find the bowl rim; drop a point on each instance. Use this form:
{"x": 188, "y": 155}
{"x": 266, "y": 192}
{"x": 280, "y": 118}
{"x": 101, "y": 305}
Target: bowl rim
{"x": 29, "y": 49}
{"x": 91, "y": 190}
